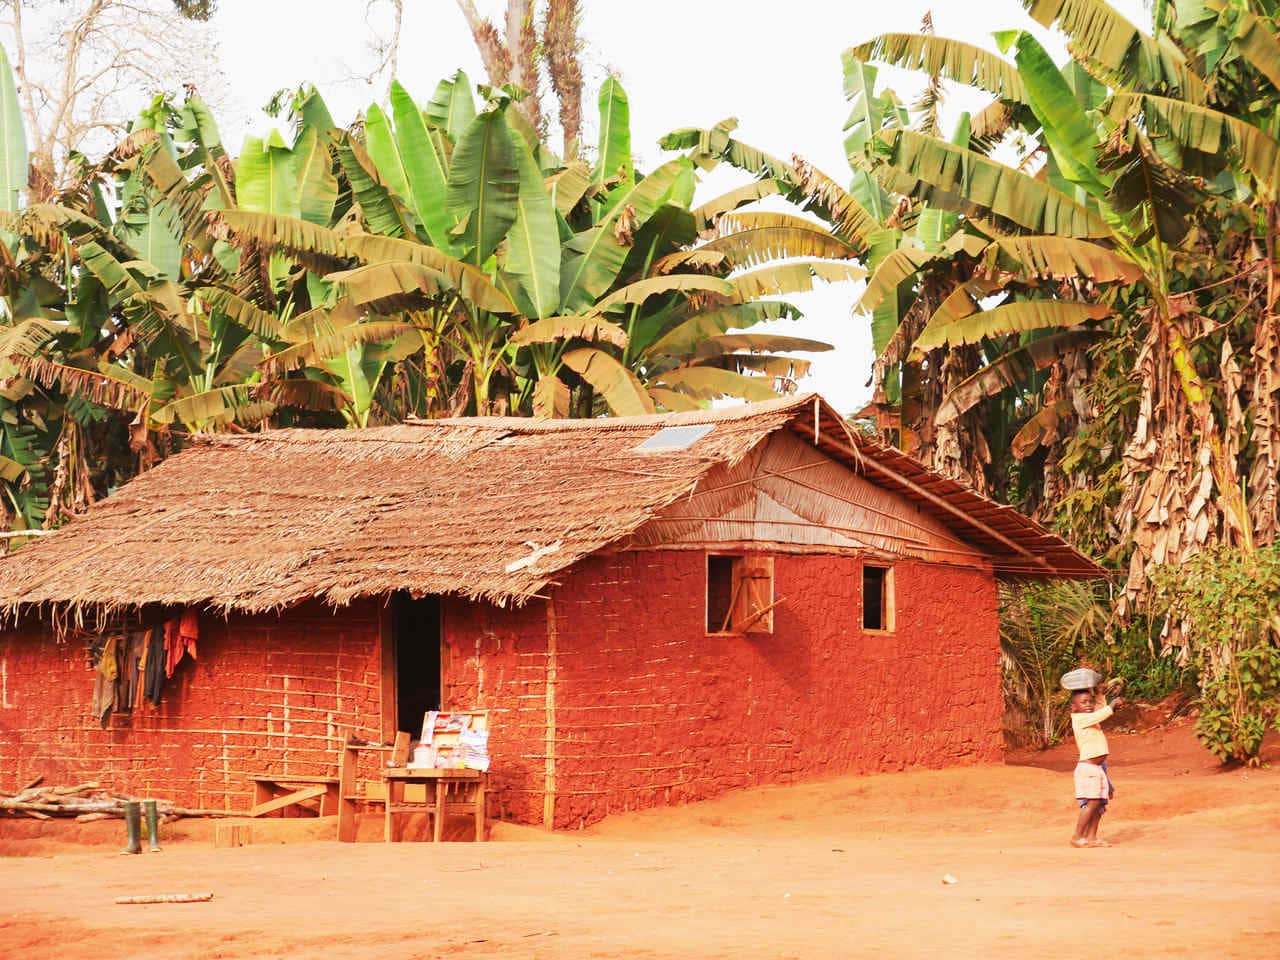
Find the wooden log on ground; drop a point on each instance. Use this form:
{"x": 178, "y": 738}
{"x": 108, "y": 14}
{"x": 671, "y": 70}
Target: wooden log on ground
{"x": 94, "y": 817}
{"x": 167, "y": 898}
{"x": 104, "y": 806}
{"x": 73, "y": 791}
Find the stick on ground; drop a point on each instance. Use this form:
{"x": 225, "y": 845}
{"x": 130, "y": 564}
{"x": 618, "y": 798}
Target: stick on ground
{"x": 167, "y": 898}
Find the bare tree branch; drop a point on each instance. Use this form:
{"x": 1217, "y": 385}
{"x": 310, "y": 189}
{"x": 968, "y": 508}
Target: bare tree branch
{"x": 83, "y": 67}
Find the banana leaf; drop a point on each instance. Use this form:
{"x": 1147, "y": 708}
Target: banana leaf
{"x": 614, "y": 151}
{"x": 595, "y": 256}
{"x": 712, "y": 383}
{"x": 958, "y": 179}
{"x": 552, "y": 329}
{"x": 13, "y": 140}
{"x": 533, "y": 245}
{"x": 1015, "y": 367}
{"x": 426, "y": 171}
{"x": 951, "y": 59}
{"x": 611, "y": 380}
{"x": 484, "y": 184}
{"x": 1008, "y": 318}
{"x": 1041, "y": 429}
{"x": 472, "y": 283}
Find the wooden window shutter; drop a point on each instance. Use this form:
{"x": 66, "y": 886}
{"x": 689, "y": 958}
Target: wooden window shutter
{"x": 753, "y": 595}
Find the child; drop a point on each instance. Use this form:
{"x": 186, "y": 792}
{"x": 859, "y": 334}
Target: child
{"x": 1093, "y": 785}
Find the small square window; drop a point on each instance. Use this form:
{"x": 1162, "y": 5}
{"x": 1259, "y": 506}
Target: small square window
{"x": 877, "y": 598}
{"x": 739, "y": 594}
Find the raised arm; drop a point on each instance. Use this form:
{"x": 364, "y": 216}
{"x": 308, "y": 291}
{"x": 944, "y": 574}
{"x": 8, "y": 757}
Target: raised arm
{"x": 1092, "y": 718}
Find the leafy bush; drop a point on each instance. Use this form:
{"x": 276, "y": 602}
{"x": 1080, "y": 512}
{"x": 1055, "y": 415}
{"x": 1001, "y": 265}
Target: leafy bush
{"x": 1131, "y": 654}
{"x": 1224, "y": 612}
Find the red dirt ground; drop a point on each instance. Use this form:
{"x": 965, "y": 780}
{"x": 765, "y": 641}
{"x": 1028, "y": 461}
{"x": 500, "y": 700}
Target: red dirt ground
{"x": 843, "y": 868}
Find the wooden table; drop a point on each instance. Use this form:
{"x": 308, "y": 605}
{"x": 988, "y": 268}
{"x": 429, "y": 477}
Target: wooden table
{"x": 456, "y": 791}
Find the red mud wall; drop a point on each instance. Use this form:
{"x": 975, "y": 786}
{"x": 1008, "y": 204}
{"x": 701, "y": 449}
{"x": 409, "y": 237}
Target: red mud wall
{"x": 267, "y": 695}
{"x": 650, "y": 710}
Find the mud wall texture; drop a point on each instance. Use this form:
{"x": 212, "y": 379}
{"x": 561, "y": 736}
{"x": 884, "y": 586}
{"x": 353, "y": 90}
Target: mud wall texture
{"x": 266, "y": 695}
{"x": 609, "y": 697}
{"x": 622, "y": 700}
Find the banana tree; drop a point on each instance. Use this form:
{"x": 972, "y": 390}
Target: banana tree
{"x": 1103, "y": 232}
{"x": 548, "y": 283}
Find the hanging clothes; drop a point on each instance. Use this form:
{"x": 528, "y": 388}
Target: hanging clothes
{"x": 153, "y": 672}
{"x": 105, "y": 673}
{"x": 129, "y": 680}
{"x": 180, "y": 636}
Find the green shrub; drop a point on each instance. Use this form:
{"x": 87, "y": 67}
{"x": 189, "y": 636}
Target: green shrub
{"x": 1225, "y": 604}
{"x": 1130, "y": 653}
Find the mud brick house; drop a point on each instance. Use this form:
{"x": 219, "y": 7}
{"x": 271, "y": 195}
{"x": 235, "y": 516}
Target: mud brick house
{"x": 653, "y": 610}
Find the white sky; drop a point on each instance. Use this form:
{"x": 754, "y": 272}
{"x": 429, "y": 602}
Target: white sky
{"x": 776, "y": 67}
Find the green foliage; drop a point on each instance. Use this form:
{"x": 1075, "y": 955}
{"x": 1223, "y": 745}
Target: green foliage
{"x": 1237, "y": 709}
{"x": 1226, "y": 602}
{"x": 1129, "y": 653}
{"x": 428, "y": 261}
{"x": 1044, "y": 628}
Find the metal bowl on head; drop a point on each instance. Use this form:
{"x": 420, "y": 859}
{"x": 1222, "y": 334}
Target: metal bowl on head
{"x": 1081, "y": 679}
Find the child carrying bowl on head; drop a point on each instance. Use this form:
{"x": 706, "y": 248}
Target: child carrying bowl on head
{"x": 1092, "y": 779}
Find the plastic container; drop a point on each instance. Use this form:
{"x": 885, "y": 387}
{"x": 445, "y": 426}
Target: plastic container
{"x": 1082, "y": 679}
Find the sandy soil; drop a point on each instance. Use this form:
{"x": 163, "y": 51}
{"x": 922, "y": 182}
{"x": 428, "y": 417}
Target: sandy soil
{"x": 844, "y": 868}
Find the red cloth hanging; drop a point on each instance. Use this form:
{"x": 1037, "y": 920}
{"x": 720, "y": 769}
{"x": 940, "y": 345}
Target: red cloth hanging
{"x": 180, "y": 636}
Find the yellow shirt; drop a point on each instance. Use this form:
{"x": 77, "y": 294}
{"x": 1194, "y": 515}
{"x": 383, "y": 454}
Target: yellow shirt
{"x": 1090, "y": 739}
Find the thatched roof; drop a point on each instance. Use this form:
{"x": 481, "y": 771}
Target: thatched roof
{"x": 488, "y": 508}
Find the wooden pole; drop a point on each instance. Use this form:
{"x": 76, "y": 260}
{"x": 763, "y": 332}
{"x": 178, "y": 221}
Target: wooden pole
{"x": 549, "y": 778}
{"x": 940, "y": 502}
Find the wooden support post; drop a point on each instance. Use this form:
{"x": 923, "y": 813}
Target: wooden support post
{"x": 346, "y": 795}
{"x": 549, "y": 777}
{"x": 387, "y": 671}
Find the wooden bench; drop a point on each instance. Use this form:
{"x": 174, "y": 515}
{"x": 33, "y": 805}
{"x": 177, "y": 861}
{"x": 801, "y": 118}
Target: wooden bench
{"x": 298, "y": 796}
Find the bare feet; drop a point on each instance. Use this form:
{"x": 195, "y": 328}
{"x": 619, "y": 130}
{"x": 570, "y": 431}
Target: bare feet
{"x": 1098, "y": 843}
{"x": 1080, "y": 842}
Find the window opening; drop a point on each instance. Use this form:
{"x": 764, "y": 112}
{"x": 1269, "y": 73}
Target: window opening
{"x": 416, "y": 632}
{"x": 676, "y": 438}
{"x": 740, "y": 594}
{"x": 877, "y": 598}
{"x": 719, "y": 591}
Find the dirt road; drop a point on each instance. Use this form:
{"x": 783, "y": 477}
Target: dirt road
{"x": 845, "y": 868}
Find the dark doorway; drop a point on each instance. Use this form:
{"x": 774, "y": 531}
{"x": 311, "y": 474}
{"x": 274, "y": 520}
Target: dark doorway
{"x": 416, "y": 628}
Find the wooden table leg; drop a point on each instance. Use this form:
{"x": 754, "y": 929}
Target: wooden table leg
{"x": 437, "y": 828}
{"x": 395, "y": 796}
{"x": 480, "y": 811}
